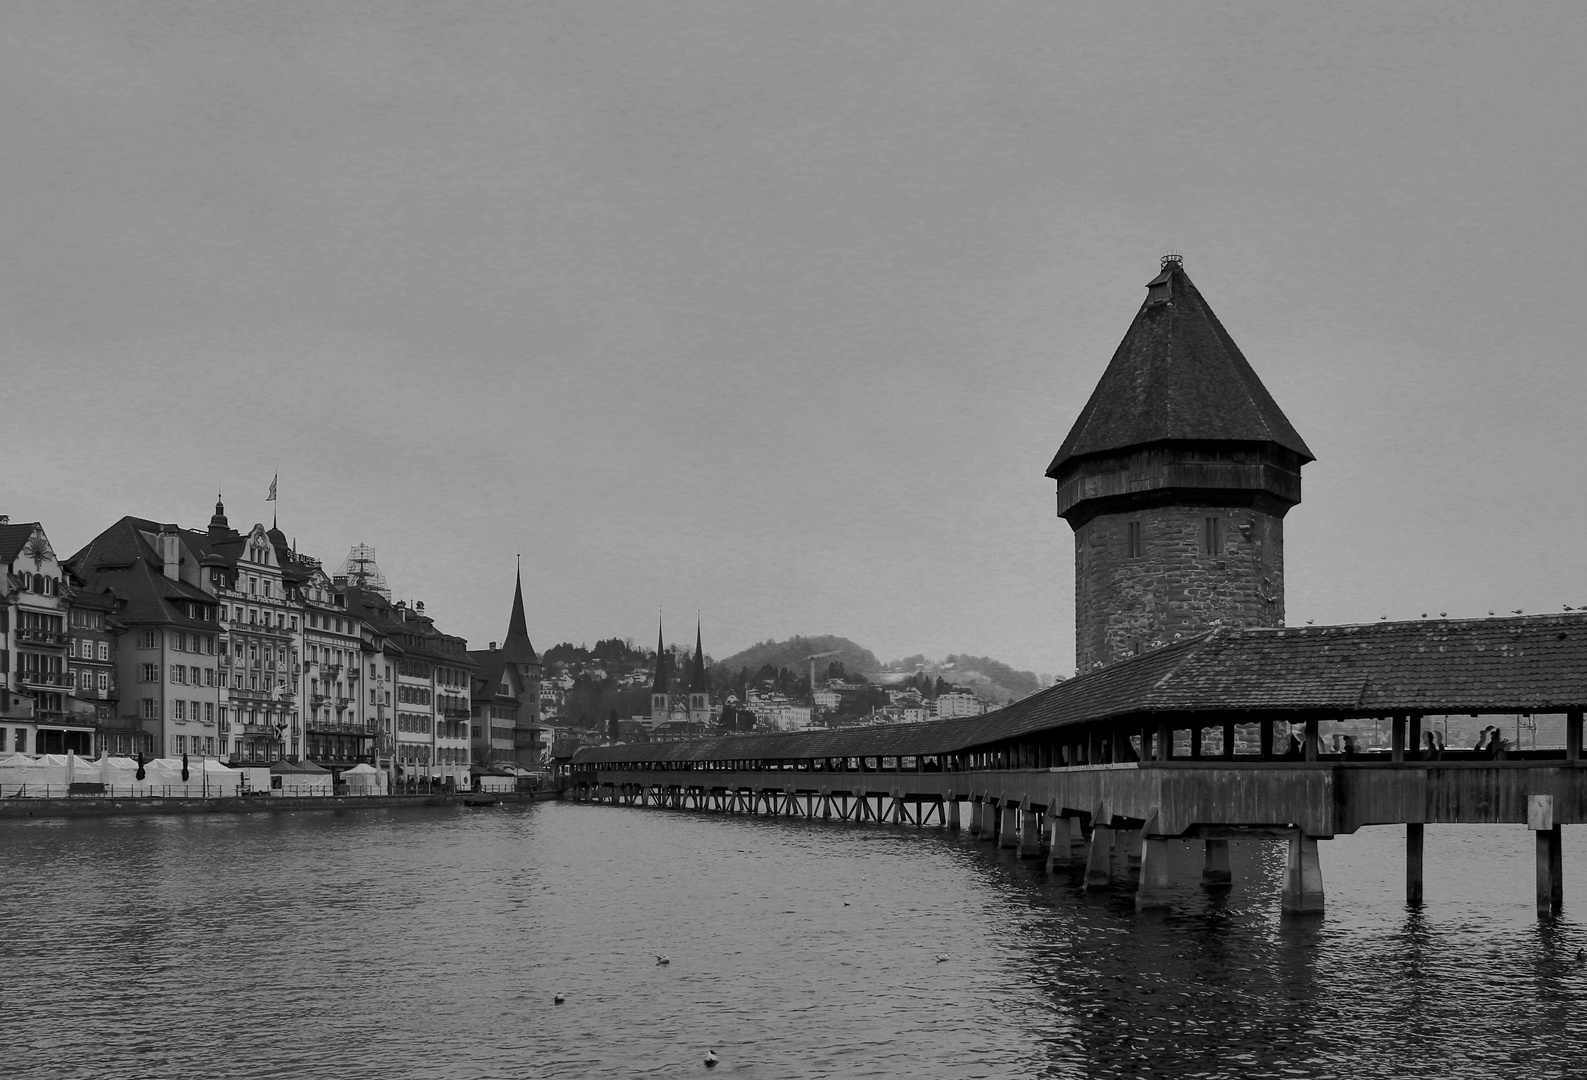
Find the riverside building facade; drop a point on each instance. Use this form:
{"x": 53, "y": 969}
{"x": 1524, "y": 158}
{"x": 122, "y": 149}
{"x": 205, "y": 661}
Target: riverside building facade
{"x": 219, "y": 643}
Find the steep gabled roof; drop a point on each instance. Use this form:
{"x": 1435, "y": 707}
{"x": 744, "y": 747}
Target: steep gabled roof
{"x": 13, "y": 538}
{"x": 122, "y": 562}
{"x": 494, "y": 668}
{"x": 1177, "y": 376}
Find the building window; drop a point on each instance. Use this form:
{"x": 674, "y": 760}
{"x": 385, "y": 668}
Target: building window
{"x": 151, "y": 673}
{"x": 104, "y": 681}
{"x": 104, "y": 650}
{"x": 151, "y": 710}
{"x": 146, "y": 640}
{"x": 1211, "y": 535}
{"x": 1133, "y": 540}
{"x": 178, "y": 673}
{"x": 178, "y": 709}
{"x": 181, "y": 743}
{"x": 209, "y": 746}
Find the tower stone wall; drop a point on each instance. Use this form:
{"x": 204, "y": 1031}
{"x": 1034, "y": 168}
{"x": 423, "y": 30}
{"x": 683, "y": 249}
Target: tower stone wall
{"x": 1144, "y": 578}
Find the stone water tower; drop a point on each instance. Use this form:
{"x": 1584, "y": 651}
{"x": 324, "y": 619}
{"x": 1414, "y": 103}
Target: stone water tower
{"x": 1176, "y": 478}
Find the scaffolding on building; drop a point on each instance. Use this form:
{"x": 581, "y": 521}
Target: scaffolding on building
{"x": 360, "y": 569}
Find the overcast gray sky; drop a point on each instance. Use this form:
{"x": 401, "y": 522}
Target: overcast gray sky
{"x": 779, "y": 311}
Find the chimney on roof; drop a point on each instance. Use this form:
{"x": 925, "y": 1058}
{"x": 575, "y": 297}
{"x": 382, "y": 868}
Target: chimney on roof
{"x": 171, "y": 552}
{"x": 493, "y": 646}
{"x": 418, "y": 605}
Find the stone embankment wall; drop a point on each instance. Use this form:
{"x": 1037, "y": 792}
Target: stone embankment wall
{"x": 94, "y": 806}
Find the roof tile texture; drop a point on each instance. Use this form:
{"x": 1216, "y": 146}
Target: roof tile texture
{"x": 1177, "y": 375}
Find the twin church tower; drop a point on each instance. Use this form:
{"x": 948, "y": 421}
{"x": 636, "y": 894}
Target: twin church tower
{"x": 1176, "y": 478}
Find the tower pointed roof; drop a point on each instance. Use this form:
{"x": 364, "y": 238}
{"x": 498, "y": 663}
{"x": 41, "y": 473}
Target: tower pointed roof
{"x": 697, "y": 681}
{"x": 659, "y": 686}
{"x": 1177, "y": 376}
{"x": 217, "y": 524}
{"x": 516, "y": 649}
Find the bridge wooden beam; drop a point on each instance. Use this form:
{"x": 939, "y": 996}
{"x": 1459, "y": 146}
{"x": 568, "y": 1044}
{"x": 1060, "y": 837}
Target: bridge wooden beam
{"x": 1550, "y": 854}
{"x": 1413, "y": 863}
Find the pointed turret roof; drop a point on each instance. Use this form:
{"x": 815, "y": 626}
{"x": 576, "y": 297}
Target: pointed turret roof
{"x": 697, "y": 681}
{"x": 517, "y": 649}
{"x": 1177, "y": 376}
{"x": 659, "y": 686}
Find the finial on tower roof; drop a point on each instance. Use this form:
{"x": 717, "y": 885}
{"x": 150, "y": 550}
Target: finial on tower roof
{"x": 1173, "y": 258}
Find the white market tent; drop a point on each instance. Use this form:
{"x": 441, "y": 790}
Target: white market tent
{"x": 300, "y": 778}
{"x": 50, "y": 775}
{"x": 364, "y": 779}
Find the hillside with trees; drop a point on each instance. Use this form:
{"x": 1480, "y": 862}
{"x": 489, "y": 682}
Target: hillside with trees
{"x": 791, "y": 654}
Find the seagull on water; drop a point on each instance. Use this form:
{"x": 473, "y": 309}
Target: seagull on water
{"x": 942, "y": 958}
{"x": 710, "y": 1059}
{"x": 559, "y": 999}
{"x": 663, "y": 961}
{"x": 1515, "y": 611}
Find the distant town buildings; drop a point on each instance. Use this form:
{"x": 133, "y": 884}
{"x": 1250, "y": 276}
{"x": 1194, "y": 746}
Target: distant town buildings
{"x": 227, "y": 643}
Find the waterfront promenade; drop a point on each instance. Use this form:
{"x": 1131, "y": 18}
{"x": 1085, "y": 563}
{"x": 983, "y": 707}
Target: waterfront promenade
{"x": 78, "y": 806}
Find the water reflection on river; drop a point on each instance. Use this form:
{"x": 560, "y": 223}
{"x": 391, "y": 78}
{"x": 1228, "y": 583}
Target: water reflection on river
{"x": 430, "y": 943}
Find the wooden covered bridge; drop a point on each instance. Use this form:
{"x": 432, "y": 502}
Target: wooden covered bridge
{"x": 1191, "y": 741}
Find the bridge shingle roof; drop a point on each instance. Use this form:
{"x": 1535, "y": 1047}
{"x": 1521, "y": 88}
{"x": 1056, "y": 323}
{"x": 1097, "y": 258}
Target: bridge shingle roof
{"x": 1528, "y": 664}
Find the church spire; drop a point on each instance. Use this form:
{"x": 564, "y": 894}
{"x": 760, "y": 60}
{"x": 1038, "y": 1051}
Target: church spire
{"x": 517, "y": 649}
{"x": 697, "y": 681}
{"x": 660, "y": 685}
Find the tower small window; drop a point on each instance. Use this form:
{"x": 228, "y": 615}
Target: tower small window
{"x": 1133, "y": 540}
{"x": 1211, "y": 536}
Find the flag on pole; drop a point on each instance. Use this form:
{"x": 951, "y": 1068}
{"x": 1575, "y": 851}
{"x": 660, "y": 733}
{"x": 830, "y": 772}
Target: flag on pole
{"x": 272, "y": 496}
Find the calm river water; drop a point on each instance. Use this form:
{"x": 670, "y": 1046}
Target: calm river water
{"x": 431, "y": 943}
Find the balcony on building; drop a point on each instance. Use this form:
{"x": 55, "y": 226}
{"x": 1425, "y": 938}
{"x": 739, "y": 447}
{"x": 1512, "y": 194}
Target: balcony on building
{"x": 364, "y": 728}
